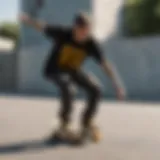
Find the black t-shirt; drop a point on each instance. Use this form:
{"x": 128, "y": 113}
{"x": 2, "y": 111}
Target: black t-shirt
{"x": 66, "y": 53}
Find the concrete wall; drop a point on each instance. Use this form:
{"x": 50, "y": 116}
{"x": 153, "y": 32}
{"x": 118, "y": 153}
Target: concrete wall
{"x": 138, "y": 63}
{"x": 57, "y": 11}
{"x": 137, "y": 60}
{"x": 7, "y": 71}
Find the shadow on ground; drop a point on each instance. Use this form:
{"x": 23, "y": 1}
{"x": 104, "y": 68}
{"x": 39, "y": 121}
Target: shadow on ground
{"x": 32, "y": 146}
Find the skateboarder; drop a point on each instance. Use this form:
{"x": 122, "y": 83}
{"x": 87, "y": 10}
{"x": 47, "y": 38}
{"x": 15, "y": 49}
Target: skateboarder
{"x": 71, "y": 46}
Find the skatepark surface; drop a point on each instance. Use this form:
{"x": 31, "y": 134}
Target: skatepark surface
{"x": 131, "y": 131}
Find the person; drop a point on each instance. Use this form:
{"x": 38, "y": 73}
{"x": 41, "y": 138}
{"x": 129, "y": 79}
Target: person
{"x": 71, "y": 46}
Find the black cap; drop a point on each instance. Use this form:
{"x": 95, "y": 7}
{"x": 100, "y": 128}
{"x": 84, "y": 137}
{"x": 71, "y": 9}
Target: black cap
{"x": 82, "y": 19}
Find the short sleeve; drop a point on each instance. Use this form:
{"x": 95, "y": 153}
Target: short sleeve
{"x": 95, "y": 51}
{"x": 53, "y": 31}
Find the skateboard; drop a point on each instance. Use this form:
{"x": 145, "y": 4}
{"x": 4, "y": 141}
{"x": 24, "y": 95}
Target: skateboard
{"x": 72, "y": 139}
{"x": 76, "y": 138}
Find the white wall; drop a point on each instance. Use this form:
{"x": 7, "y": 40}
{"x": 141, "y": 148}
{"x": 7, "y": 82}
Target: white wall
{"x": 106, "y": 14}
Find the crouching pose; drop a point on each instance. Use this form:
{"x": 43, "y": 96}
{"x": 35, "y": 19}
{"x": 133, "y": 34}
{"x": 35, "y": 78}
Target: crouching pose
{"x": 71, "y": 46}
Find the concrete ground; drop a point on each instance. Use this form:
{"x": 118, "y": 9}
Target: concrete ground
{"x": 130, "y": 131}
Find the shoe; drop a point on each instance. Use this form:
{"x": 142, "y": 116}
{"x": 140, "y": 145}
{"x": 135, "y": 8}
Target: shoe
{"x": 60, "y": 133}
{"x": 92, "y": 132}
{"x": 64, "y": 133}
{"x": 95, "y": 134}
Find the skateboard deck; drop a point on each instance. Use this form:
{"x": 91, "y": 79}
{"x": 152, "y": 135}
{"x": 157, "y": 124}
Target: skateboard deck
{"x": 74, "y": 139}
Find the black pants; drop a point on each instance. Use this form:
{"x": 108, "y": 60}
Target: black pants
{"x": 63, "y": 81}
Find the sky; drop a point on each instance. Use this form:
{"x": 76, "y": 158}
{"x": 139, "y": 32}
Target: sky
{"x": 9, "y": 10}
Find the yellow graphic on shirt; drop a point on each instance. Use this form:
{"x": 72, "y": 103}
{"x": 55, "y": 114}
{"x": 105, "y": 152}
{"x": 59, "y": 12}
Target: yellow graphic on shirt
{"x": 71, "y": 57}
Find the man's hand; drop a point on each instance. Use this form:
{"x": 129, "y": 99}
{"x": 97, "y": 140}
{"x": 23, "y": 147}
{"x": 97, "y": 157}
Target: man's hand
{"x": 31, "y": 22}
{"x": 121, "y": 94}
{"x": 108, "y": 68}
{"x": 24, "y": 18}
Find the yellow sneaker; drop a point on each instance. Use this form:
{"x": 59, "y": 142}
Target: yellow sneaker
{"x": 92, "y": 132}
{"x": 95, "y": 134}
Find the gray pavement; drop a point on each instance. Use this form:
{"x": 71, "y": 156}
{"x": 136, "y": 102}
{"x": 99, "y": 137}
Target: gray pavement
{"x": 130, "y": 131}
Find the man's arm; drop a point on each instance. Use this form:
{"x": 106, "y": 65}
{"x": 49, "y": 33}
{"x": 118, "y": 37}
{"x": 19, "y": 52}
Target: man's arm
{"x": 38, "y": 25}
{"x": 51, "y": 31}
{"x": 108, "y": 69}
